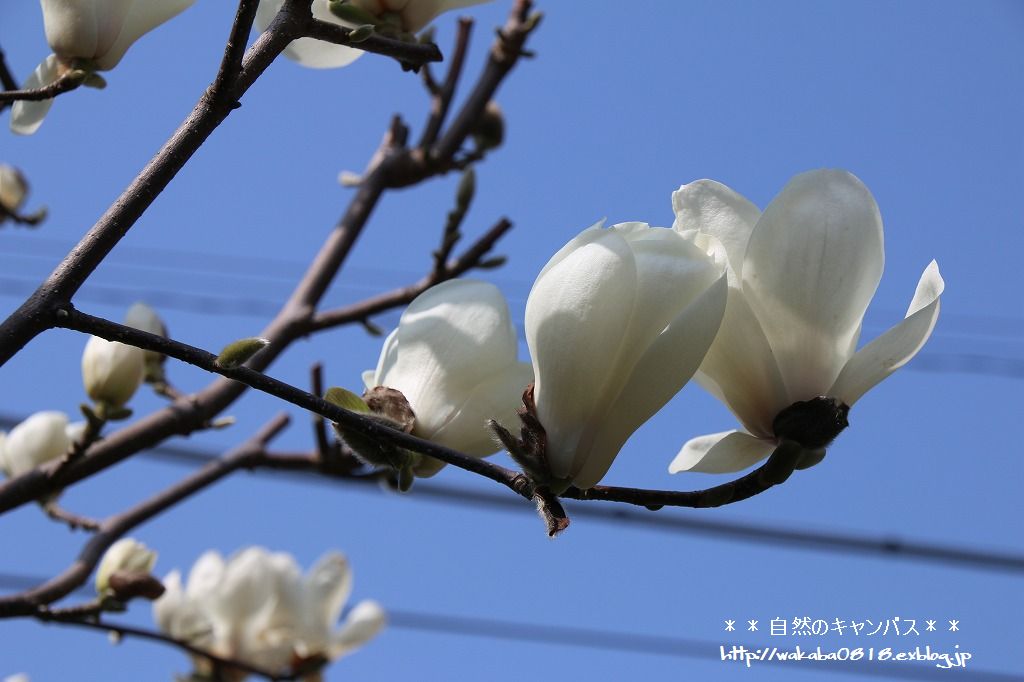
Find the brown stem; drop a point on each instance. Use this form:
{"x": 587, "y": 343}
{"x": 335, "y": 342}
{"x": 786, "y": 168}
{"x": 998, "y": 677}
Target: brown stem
{"x": 65, "y": 83}
{"x": 441, "y": 97}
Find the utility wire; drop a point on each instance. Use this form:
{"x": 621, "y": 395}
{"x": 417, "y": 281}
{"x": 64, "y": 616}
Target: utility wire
{"x": 625, "y": 642}
{"x": 664, "y": 521}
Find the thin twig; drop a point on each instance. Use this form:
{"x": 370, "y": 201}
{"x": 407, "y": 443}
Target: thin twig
{"x": 234, "y": 49}
{"x": 323, "y": 446}
{"x": 471, "y": 258}
{"x": 65, "y": 83}
{"x": 74, "y": 521}
{"x": 441, "y": 97}
{"x": 409, "y": 54}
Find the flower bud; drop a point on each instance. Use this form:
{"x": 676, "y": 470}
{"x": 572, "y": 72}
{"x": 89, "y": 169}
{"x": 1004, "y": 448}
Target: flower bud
{"x": 39, "y": 439}
{"x": 111, "y": 371}
{"x": 127, "y": 558}
{"x": 144, "y": 318}
{"x": 13, "y": 189}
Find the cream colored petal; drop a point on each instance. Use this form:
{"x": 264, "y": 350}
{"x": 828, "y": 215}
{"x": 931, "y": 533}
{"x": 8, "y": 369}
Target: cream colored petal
{"x": 661, "y": 372}
{"x": 386, "y": 361}
{"x": 168, "y": 605}
{"x": 740, "y": 369}
{"x": 26, "y": 117}
{"x": 449, "y": 338}
{"x": 721, "y": 453}
{"x": 497, "y": 397}
{"x": 896, "y": 347}
{"x": 37, "y": 440}
{"x": 811, "y": 267}
{"x": 577, "y": 317}
{"x": 142, "y": 17}
{"x": 712, "y": 208}
{"x": 419, "y": 13}
{"x": 73, "y": 28}
{"x": 309, "y": 52}
{"x": 362, "y": 624}
{"x": 327, "y": 588}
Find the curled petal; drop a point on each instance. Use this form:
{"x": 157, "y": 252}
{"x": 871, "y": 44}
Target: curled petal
{"x": 141, "y": 18}
{"x": 327, "y": 588}
{"x": 366, "y": 619}
{"x": 26, "y": 117}
{"x": 811, "y": 266}
{"x": 577, "y": 317}
{"x": 721, "y": 453}
{"x": 896, "y": 347}
{"x": 711, "y": 208}
{"x": 659, "y": 374}
{"x": 310, "y": 52}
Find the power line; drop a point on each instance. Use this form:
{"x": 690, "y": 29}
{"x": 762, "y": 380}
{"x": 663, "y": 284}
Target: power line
{"x": 663, "y": 521}
{"x": 620, "y": 641}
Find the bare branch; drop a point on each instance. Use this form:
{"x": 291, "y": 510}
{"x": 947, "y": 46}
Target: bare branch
{"x": 441, "y": 97}
{"x": 234, "y": 49}
{"x": 411, "y": 55}
{"x": 66, "y": 83}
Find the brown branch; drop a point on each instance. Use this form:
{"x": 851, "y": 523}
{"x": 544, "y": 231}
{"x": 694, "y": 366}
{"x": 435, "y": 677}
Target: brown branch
{"x": 7, "y": 80}
{"x": 471, "y": 258}
{"x": 234, "y": 49}
{"x": 74, "y": 521}
{"x": 112, "y": 528}
{"x": 323, "y": 445}
{"x": 393, "y": 166}
{"x": 776, "y": 470}
{"x": 441, "y": 97}
{"x": 66, "y": 83}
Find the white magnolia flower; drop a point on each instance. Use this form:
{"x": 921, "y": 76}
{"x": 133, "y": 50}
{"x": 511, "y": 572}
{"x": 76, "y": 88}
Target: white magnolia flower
{"x": 258, "y": 608}
{"x": 801, "y": 276}
{"x": 408, "y": 16}
{"x": 453, "y": 357}
{"x": 13, "y": 189}
{"x": 617, "y": 322}
{"x": 111, "y": 371}
{"x": 91, "y": 35}
{"x": 42, "y": 437}
{"x": 142, "y": 317}
{"x": 127, "y": 556}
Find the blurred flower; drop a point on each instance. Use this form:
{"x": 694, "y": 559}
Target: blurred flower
{"x": 404, "y": 16}
{"x": 144, "y": 318}
{"x": 801, "y": 276}
{"x": 42, "y": 437}
{"x": 111, "y": 371}
{"x": 87, "y": 36}
{"x": 453, "y": 357}
{"x": 126, "y": 556}
{"x": 617, "y": 322}
{"x": 257, "y": 608}
{"x": 13, "y": 189}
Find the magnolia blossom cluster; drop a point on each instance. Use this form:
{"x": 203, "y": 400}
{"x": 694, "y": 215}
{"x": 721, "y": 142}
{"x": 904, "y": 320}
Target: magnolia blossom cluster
{"x": 256, "y": 607}
{"x": 765, "y": 309}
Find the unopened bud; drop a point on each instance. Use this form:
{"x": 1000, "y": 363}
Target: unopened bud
{"x": 351, "y": 13}
{"x": 236, "y": 353}
{"x": 124, "y": 571}
{"x": 111, "y": 372}
{"x": 489, "y": 132}
{"x": 13, "y": 189}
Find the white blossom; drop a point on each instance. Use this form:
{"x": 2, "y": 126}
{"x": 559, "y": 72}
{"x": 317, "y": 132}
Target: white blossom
{"x": 617, "y": 322}
{"x": 257, "y": 608}
{"x": 126, "y": 555}
{"x": 111, "y": 371}
{"x": 408, "y": 15}
{"x": 453, "y": 357}
{"x": 42, "y": 437}
{"x": 92, "y": 35}
{"x": 801, "y": 276}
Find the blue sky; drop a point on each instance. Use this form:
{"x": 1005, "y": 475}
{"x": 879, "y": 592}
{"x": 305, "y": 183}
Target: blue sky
{"x": 623, "y": 103}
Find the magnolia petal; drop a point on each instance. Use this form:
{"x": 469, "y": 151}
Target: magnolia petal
{"x": 811, "y": 267}
{"x": 309, "y": 52}
{"x": 660, "y": 373}
{"x": 363, "y": 623}
{"x": 73, "y": 28}
{"x": 740, "y": 370}
{"x": 205, "y": 576}
{"x": 713, "y": 209}
{"x": 37, "y": 440}
{"x": 26, "y": 117}
{"x": 388, "y": 357}
{"x": 721, "y": 453}
{"x": 168, "y": 605}
{"x": 419, "y": 13}
{"x": 450, "y": 337}
{"x": 327, "y": 588}
{"x": 896, "y": 347}
{"x": 497, "y": 397}
{"x": 141, "y": 18}
{"x": 576, "y": 320}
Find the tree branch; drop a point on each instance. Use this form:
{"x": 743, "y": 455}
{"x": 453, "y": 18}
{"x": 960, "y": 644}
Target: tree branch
{"x": 112, "y": 528}
{"x": 65, "y": 83}
{"x": 441, "y": 99}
